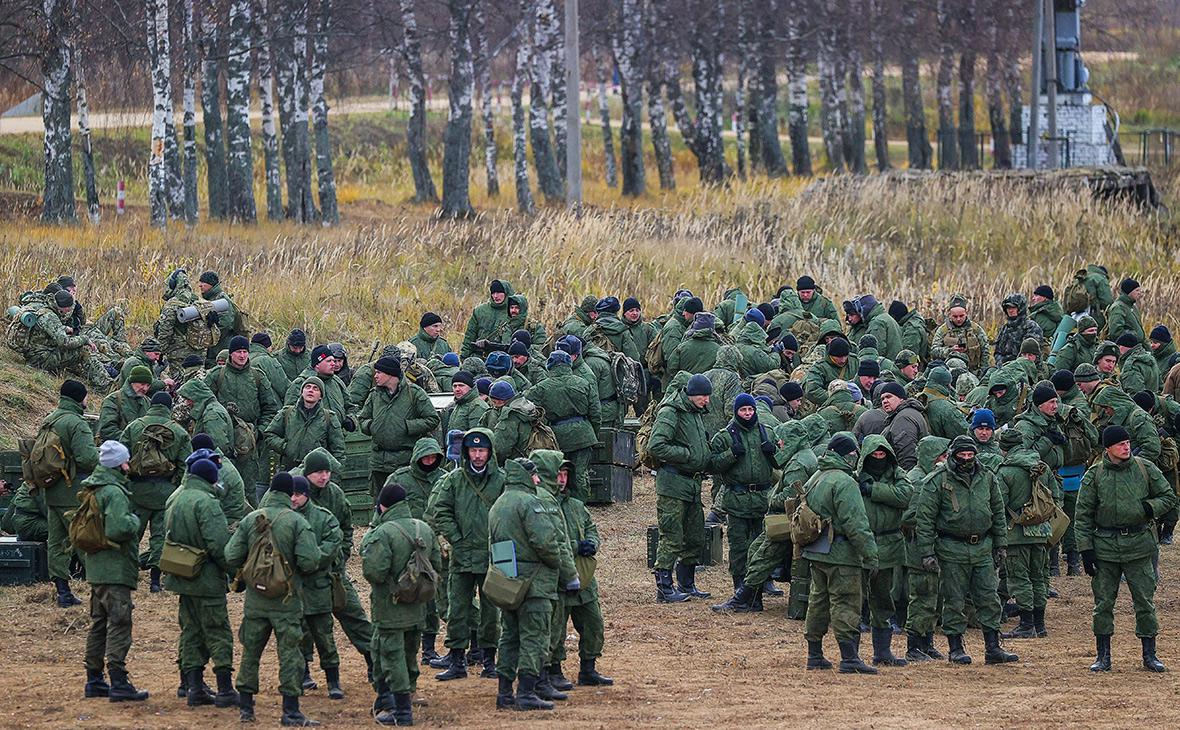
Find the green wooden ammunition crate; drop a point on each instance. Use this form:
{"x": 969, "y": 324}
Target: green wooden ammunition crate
{"x": 610, "y": 483}
{"x": 713, "y": 553}
{"x": 616, "y": 446}
{"x": 22, "y": 563}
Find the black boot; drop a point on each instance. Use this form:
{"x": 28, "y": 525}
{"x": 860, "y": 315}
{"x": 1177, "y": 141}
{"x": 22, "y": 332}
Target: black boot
{"x": 505, "y": 699}
{"x": 756, "y": 605}
{"x": 526, "y": 695}
{"x": 1150, "y": 662}
{"x": 815, "y": 656}
{"x": 226, "y": 696}
{"x": 368, "y": 666}
{"x": 245, "y": 707}
{"x": 1026, "y": 629}
{"x": 292, "y": 717}
{"x": 742, "y": 601}
{"x": 1055, "y": 562}
{"x": 198, "y": 695}
{"x": 882, "y": 649}
{"x": 929, "y": 649}
{"x": 686, "y": 577}
{"x": 1102, "y": 660}
{"x": 1011, "y": 610}
{"x": 850, "y": 662}
{"x": 489, "y": 664}
{"x": 957, "y": 655}
{"x": 897, "y": 627}
{"x": 122, "y": 690}
{"x": 96, "y": 684}
{"x": 914, "y": 648}
{"x": 993, "y": 652}
{"x": 442, "y": 661}
{"x": 182, "y": 688}
{"x": 1073, "y": 563}
{"x": 402, "y": 713}
{"x": 588, "y": 676}
{"x": 65, "y": 597}
{"x": 384, "y": 701}
{"x": 1039, "y": 623}
{"x": 308, "y": 682}
{"x": 665, "y": 593}
{"x": 154, "y": 575}
{"x": 1166, "y": 530}
{"x": 475, "y": 654}
{"x": 457, "y": 669}
{"x": 770, "y": 589}
{"x": 332, "y": 674}
{"x": 714, "y": 517}
{"x": 428, "y": 652}
{"x": 545, "y": 690}
{"x": 557, "y": 679}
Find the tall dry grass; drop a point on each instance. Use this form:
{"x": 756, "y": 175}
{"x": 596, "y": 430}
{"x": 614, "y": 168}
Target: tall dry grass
{"x": 918, "y": 241}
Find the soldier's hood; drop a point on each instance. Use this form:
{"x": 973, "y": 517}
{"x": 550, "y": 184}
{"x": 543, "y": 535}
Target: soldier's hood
{"x": 832, "y": 460}
{"x": 105, "y": 476}
{"x": 1098, "y": 270}
{"x": 399, "y": 511}
{"x": 491, "y": 466}
{"x": 829, "y": 327}
{"x": 840, "y": 396}
{"x": 548, "y": 463}
{"x": 196, "y": 391}
{"x": 732, "y": 294}
{"x": 1113, "y": 397}
{"x": 872, "y": 443}
{"x": 788, "y": 300}
{"x": 817, "y": 429}
{"x": 523, "y": 405}
{"x": 508, "y": 294}
{"x": 424, "y": 447}
{"x": 795, "y": 438}
{"x": 1009, "y": 378}
{"x": 520, "y": 300}
{"x": 676, "y": 386}
{"x": 752, "y": 335}
{"x": 1018, "y": 301}
{"x": 1022, "y": 457}
{"x": 1051, "y": 304}
{"x": 929, "y": 449}
{"x": 702, "y": 334}
{"x": 611, "y": 324}
{"x": 517, "y": 477}
{"x": 274, "y": 499}
{"x": 727, "y": 357}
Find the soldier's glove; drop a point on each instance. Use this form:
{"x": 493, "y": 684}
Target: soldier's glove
{"x": 999, "y": 555}
{"x": 768, "y": 448}
{"x": 444, "y": 547}
{"x": 1089, "y": 562}
{"x": 930, "y": 562}
{"x": 1057, "y": 437}
{"x": 349, "y": 424}
{"x": 573, "y": 586}
{"x": 211, "y": 319}
{"x": 1148, "y": 512}
{"x": 778, "y": 347}
{"x": 866, "y": 487}
{"x": 586, "y": 548}
{"x": 481, "y": 344}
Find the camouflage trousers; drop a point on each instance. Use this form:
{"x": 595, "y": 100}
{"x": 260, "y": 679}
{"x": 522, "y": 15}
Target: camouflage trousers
{"x": 959, "y": 582}
{"x": 154, "y": 518}
{"x": 463, "y": 615}
{"x": 587, "y": 618}
{"x": 254, "y": 633}
{"x": 922, "y": 609}
{"x": 581, "y": 461}
{"x": 80, "y": 363}
{"x": 395, "y": 659}
{"x": 682, "y": 531}
{"x": 205, "y": 634}
{"x": 318, "y": 637}
{"x": 1141, "y": 581}
{"x": 352, "y": 617}
{"x": 878, "y": 589}
{"x": 110, "y": 628}
{"x": 1028, "y": 575}
{"x": 438, "y": 607}
{"x": 763, "y": 556}
{"x": 58, "y": 548}
{"x": 834, "y": 602}
{"x": 524, "y": 639}
{"x": 742, "y": 531}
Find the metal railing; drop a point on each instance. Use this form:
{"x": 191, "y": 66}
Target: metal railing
{"x": 1157, "y": 147}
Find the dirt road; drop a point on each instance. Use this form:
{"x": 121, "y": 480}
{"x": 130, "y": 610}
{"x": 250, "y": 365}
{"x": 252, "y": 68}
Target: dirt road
{"x": 675, "y": 666}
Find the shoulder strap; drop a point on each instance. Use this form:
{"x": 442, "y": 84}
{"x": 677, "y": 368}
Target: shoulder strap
{"x": 483, "y": 497}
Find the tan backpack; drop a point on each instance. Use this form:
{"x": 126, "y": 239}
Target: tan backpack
{"x": 1040, "y": 506}
{"x": 87, "y": 529}
{"x": 418, "y": 582}
{"x": 266, "y": 569}
{"x": 44, "y": 461}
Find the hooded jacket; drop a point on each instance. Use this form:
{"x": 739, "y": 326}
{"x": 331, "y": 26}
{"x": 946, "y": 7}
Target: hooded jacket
{"x": 745, "y": 459}
{"x": 678, "y": 440}
{"x": 875, "y": 321}
{"x": 1123, "y": 316}
{"x": 296, "y": 430}
{"x": 1145, "y": 438}
{"x": 117, "y": 565}
{"x": 292, "y": 538}
{"x": 1015, "y": 330}
{"x": 460, "y": 512}
{"x": 386, "y": 550}
{"x": 194, "y": 518}
{"x": 571, "y": 407}
{"x": 208, "y": 415}
{"x": 833, "y": 494}
{"x": 418, "y": 481}
{"x": 961, "y": 516}
{"x": 889, "y": 495}
{"x": 1016, "y": 485}
{"x": 395, "y": 421}
{"x": 904, "y": 428}
{"x": 1111, "y": 499}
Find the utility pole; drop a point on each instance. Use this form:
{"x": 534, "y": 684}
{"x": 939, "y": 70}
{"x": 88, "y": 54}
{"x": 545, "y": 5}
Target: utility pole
{"x": 1034, "y": 107}
{"x": 573, "y": 106}
{"x": 1051, "y": 81}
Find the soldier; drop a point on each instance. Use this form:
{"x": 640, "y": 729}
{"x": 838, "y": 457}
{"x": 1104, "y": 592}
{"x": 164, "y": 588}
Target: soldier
{"x": 958, "y": 335}
{"x": 395, "y": 415}
{"x": 679, "y": 442}
{"x": 1039, "y": 426}
{"x": 527, "y": 373}
{"x": 159, "y": 448}
{"x": 1106, "y": 359}
{"x": 942, "y": 412}
{"x": 340, "y": 400}
{"x": 317, "y": 588}
{"x": 1117, "y": 502}
{"x": 813, "y": 300}
{"x": 239, "y": 384}
{"x": 1027, "y": 563}
{"x": 921, "y": 578}
{"x": 915, "y": 339}
{"x": 42, "y": 338}
{"x": 510, "y": 420}
{"x": 460, "y": 516}
{"x": 209, "y": 284}
{"x": 1067, "y": 389}
{"x": 195, "y": 519}
{"x": 582, "y": 318}
{"x": 340, "y": 364}
{"x": 1015, "y": 330}
{"x": 905, "y": 424}
{"x": 840, "y": 411}
{"x": 1095, "y": 281}
{"x": 181, "y": 340}
{"x": 1162, "y": 347}
{"x": 673, "y": 333}
{"x": 112, "y": 575}
{"x": 260, "y": 357}
{"x": 199, "y": 412}
{"x": 697, "y": 352}
{"x": 124, "y": 405}
{"x": 756, "y": 355}
{"x": 294, "y": 357}
{"x": 149, "y": 356}
{"x": 837, "y": 364}
{"x": 468, "y": 407}
{"x": 866, "y": 316}
{"x": 520, "y": 517}
{"x": 962, "y": 533}
{"x": 983, "y": 433}
{"x": 1045, "y": 311}
{"x": 489, "y": 321}
{"x": 419, "y": 480}
{"x": 292, "y": 538}
{"x": 396, "y": 543}
{"x": 1080, "y": 346}
{"x": 608, "y": 326}
{"x": 297, "y": 429}
{"x": 232, "y": 494}
{"x": 27, "y": 515}
{"x": 1087, "y": 379}
{"x": 642, "y": 334}
{"x": 574, "y": 413}
{"x": 1123, "y": 314}
{"x": 429, "y": 340}
{"x": 1137, "y": 368}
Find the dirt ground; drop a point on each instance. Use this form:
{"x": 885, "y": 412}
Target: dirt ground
{"x": 676, "y": 666}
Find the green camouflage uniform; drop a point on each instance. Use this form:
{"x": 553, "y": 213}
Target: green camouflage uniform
{"x": 1015, "y": 330}
{"x": 395, "y": 421}
{"x": 49, "y": 347}
{"x": 511, "y": 425}
{"x": 293, "y": 364}
{"x": 679, "y": 442}
{"x": 261, "y": 358}
{"x": 225, "y": 321}
{"x": 489, "y": 321}
{"x": 425, "y": 345}
{"x": 1028, "y": 556}
{"x": 1047, "y": 315}
{"x": 889, "y": 495}
{"x": 419, "y": 483}
{"x": 582, "y": 607}
{"x": 317, "y": 586}
{"x": 119, "y": 409}
{"x": 248, "y": 389}
{"x": 1123, "y": 316}
{"x": 574, "y": 412}
{"x": 26, "y": 517}
{"x": 744, "y": 461}
{"x": 77, "y": 441}
{"x": 149, "y": 494}
{"x": 968, "y": 341}
{"x": 1138, "y": 371}
{"x": 296, "y": 430}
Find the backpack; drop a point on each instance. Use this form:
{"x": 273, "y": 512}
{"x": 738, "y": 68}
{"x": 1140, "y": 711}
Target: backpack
{"x": 149, "y": 452}
{"x": 628, "y": 376}
{"x": 245, "y": 440}
{"x": 806, "y": 331}
{"x": 20, "y": 329}
{"x": 654, "y": 355}
{"x": 266, "y": 569}
{"x": 1040, "y": 506}
{"x": 87, "y": 530}
{"x": 806, "y": 525}
{"x": 598, "y": 337}
{"x": 1169, "y": 457}
{"x": 541, "y": 436}
{"x": 418, "y": 582}
{"x": 44, "y": 461}
{"x": 1079, "y": 449}
{"x": 1076, "y": 297}
{"x": 642, "y": 437}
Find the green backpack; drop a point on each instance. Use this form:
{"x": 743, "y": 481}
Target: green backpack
{"x": 149, "y": 453}
{"x": 87, "y": 530}
{"x": 418, "y": 582}
{"x": 266, "y": 569}
{"x": 1076, "y": 297}
{"x": 43, "y": 458}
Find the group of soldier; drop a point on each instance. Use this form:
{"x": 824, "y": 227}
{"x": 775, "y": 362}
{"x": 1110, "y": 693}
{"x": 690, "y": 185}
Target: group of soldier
{"x": 894, "y": 472}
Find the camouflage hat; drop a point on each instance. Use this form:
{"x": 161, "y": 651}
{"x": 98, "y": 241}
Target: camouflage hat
{"x": 149, "y": 344}
{"x": 939, "y": 376}
{"x": 1106, "y": 348}
{"x": 1085, "y": 322}
{"x": 837, "y": 385}
{"x": 588, "y": 304}
{"x": 957, "y": 300}
{"x": 905, "y": 357}
{"x": 1085, "y": 373}
{"x": 1030, "y": 346}
{"x": 965, "y": 383}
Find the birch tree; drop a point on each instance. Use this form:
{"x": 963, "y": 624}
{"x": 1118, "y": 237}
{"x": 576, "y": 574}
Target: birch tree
{"x": 545, "y": 38}
{"x": 854, "y": 136}
{"x": 627, "y": 47}
{"x": 158, "y": 174}
{"x": 560, "y": 99}
{"x": 948, "y": 145}
{"x": 702, "y": 135}
{"x": 1002, "y": 155}
{"x": 209, "y": 48}
{"x": 424, "y": 191}
{"x": 520, "y": 154}
{"x": 917, "y": 143}
{"x": 239, "y": 158}
{"x": 483, "y": 75}
{"x": 657, "y": 58}
{"x": 968, "y": 33}
{"x": 876, "y": 33}
{"x": 456, "y": 200}
{"x": 92, "y": 209}
{"x": 57, "y": 75}
{"x": 829, "y": 109}
{"x": 608, "y": 144}
{"x": 270, "y": 140}
{"x": 290, "y": 57}
{"x": 797, "y": 105}
{"x": 325, "y": 180}
{"x": 769, "y": 147}
{"x": 189, "y": 104}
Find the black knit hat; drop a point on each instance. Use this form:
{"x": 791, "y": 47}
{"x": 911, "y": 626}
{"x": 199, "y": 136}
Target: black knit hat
{"x": 320, "y": 353}
{"x": 838, "y": 347}
{"x": 698, "y": 385}
{"x": 389, "y": 366}
{"x": 202, "y": 441}
{"x": 869, "y": 368}
{"x": 893, "y": 388}
{"x": 804, "y": 282}
{"x": 262, "y": 338}
{"x": 390, "y": 495}
{"x": 630, "y": 303}
{"x": 497, "y": 287}
{"x": 282, "y": 482}
{"x": 63, "y": 299}
{"x": 210, "y": 277}
{"x": 1129, "y": 285}
{"x": 842, "y": 445}
{"x": 694, "y": 305}
{"x": 1161, "y": 334}
{"x": 238, "y": 342}
{"x": 791, "y": 391}
{"x": 300, "y": 485}
{"x": 518, "y": 349}
{"x": 1112, "y": 435}
{"x": 162, "y": 399}
{"x": 74, "y": 390}
{"x": 1145, "y": 399}
{"x": 1063, "y": 381}
{"x": 1127, "y": 339}
{"x": 428, "y": 319}
{"x": 463, "y": 377}
{"x": 790, "y": 342}
{"x": 297, "y": 338}
{"x": 898, "y": 309}
{"x": 1043, "y": 393}
{"x": 1044, "y": 290}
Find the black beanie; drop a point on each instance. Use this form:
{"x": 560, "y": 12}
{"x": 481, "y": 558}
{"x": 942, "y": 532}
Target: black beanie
{"x": 838, "y": 347}
{"x": 205, "y": 469}
{"x": 297, "y": 338}
{"x": 74, "y": 390}
{"x": 1129, "y": 285}
{"x": 791, "y": 391}
{"x": 428, "y": 319}
{"x": 1145, "y": 399}
{"x": 63, "y": 299}
{"x": 898, "y": 309}
{"x": 1127, "y": 339}
{"x": 390, "y": 495}
{"x": 893, "y": 388}
{"x": 1161, "y": 334}
{"x": 202, "y": 441}
{"x": 162, "y": 399}
{"x": 790, "y": 342}
{"x": 1043, "y": 394}
{"x": 518, "y": 349}
{"x": 1112, "y": 435}
{"x": 282, "y": 482}
{"x": 238, "y": 342}
{"x": 804, "y": 282}
{"x": 262, "y": 338}
{"x": 869, "y": 368}
{"x": 630, "y": 303}
{"x": 842, "y": 445}
{"x": 1063, "y": 381}
{"x": 497, "y": 287}
{"x": 694, "y": 305}
{"x": 1044, "y": 290}
{"x": 463, "y": 377}
{"x": 210, "y": 277}
{"x": 300, "y": 485}
{"x": 389, "y": 366}
{"x": 193, "y": 361}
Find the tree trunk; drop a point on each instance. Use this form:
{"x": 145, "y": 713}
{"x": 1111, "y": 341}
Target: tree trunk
{"x": 627, "y": 46}
{"x": 829, "y": 109}
{"x": 483, "y": 74}
{"x": 744, "y": 90}
{"x": 1014, "y": 77}
{"x": 948, "y": 145}
{"x": 549, "y": 181}
{"x": 58, "y": 200}
{"x": 209, "y": 45}
{"x": 240, "y": 159}
{"x": 456, "y": 200}
{"x": 266, "y": 93}
{"x": 92, "y": 210}
{"x": 424, "y": 191}
{"x": 1002, "y": 150}
{"x": 190, "y": 116}
{"x": 158, "y": 175}
{"x": 855, "y": 122}
{"x": 520, "y": 154}
{"x": 608, "y": 144}
{"x": 969, "y": 31}
{"x": 797, "y": 111}
{"x": 769, "y": 147}
{"x": 703, "y": 135}
{"x": 657, "y": 113}
{"x": 877, "y": 43}
{"x": 917, "y": 142}
{"x": 325, "y": 180}
{"x": 290, "y": 54}
{"x": 560, "y": 99}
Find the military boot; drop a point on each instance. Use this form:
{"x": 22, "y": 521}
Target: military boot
{"x": 489, "y": 664}
{"x": 756, "y": 605}
{"x": 441, "y": 661}
{"x": 1150, "y": 662}
{"x": 65, "y": 597}
{"x": 994, "y": 653}
{"x": 883, "y": 650}
{"x": 1102, "y": 660}
{"x": 457, "y": 669}
{"x": 332, "y": 674}
{"x": 1025, "y": 630}
{"x": 402, "y": 713}
{"x": 930, "y": 650}
{"x": 1055, "y": 562}
{"x": 96, "y": 684}
{"x": 588, "y": 676}
{"x": 245, "y": 707}
{"x": 182, "y": 688}
{"x": 850, "y": 661}
{"x": 308, "y": 682}
{"x": 957, "y": 655}
{"x": 1039, "y": 623}
{"x": 198, "y": 693}
{"x": 475, "y": 654}
{"x": 1166, "y": 531}
{"x": 428, "y": 652}
{"x": 292, "y": 717}
{"x": 665, "y": 593}
{"x": 770, "y": 589}
{"x": 815, "y": 656}
{"x": 557, "y": 679}
{"x": 384, "y": 701}
{"x": 122, "y": 690}
{"x": 742, "y": 601}
{"x": 226, "y": 696}
{"x": 914, "y": 648}
{"x": 505, "y": 699}
{"x": 686, "y": 577}
{"x": 526, "y": 695}
{"x": 154, "y": 580}
{"x": 545, "y": 690}
{"x": 1073, "y": 563}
